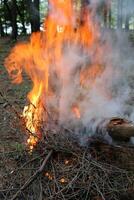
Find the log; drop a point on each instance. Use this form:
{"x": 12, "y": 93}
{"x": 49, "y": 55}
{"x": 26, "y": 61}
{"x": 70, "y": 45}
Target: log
{"x": 120, "y": 129}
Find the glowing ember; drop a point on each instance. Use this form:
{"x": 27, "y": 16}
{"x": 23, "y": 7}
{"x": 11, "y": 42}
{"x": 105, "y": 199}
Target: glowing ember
{"x": 49, "y": 176}
{"x": 66, "y": 162}
{"x": 62, "y": 180}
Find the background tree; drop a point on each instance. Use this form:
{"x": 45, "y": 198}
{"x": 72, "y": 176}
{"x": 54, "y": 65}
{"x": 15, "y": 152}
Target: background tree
{"x": 11, "y": 8}
{"x": 33, "y": 8}
{"x": 22, "y": 14}
{"x": 119, "y": 19}
{"x": 1, "y": 19}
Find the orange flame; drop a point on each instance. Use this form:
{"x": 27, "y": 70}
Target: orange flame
{"x": 41, "y": 58}
{"x": 76, "y": 111}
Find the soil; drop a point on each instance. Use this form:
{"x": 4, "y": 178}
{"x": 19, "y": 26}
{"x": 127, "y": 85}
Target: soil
{"x": 12, "y": 142}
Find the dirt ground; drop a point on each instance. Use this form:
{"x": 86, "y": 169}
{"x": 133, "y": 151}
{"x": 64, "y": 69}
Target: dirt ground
{"x": 11, "y": 136}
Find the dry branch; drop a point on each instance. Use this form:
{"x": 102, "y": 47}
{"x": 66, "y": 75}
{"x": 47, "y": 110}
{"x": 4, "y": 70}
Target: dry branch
{"x": 87, "y": 174}
{"x": 34, "y": 176}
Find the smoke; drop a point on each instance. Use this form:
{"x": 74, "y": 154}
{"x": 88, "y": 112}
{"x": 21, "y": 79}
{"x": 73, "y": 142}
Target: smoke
{"x": 111, "y": 93}
{"x": 103, "y": 99}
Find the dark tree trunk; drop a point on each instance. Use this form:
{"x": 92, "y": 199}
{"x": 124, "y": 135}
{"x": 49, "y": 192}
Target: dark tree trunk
{"x": 1, "y": 28}
{"x": 12, "y": 12}
{"x": 22, "y": 17}
{"x": 128, "y": 5}
{"x": 119, "y": 20}
{"x": 14, "y": 19}
{"x": 105, "y": 13}
{"x": 34, "y": 13}
{"x": 110, "y": 15}
{"x": 1, "y": 21}
{"x": 127, "y": 22}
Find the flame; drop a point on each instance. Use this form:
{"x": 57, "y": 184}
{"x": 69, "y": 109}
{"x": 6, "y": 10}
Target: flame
{"x": 41, "y": 59}
{"x": 76, "y": 111}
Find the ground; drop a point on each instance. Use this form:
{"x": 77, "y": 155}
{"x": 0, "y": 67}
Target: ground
{"x": 11, "y": 137}
{"x": 14, "y": 155}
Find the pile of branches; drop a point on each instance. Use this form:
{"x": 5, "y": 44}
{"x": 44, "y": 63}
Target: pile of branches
{"x": 59, "y": 168}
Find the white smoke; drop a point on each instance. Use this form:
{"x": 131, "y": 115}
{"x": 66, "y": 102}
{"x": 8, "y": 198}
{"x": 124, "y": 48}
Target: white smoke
{"x": 109, "y": 96}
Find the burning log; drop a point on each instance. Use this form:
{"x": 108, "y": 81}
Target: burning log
{"x": 120, "y": 129}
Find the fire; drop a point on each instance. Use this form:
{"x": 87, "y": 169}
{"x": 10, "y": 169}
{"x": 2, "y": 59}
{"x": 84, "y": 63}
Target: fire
{"x": 68, "y": 26}
{"x": 76, "y": 111}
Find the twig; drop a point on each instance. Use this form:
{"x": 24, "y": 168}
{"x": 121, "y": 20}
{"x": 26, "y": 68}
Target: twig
{"x": 98, "y": 190}
{"x": 33, "y": 177}
{"x": 22, "y": 167}
{"x": 57, "y": 182}
{"x": 29, "y": 161}
{"x": 41, "y": 191}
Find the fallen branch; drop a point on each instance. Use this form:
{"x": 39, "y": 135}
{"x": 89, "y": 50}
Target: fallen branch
{"x": 34, "y": 176}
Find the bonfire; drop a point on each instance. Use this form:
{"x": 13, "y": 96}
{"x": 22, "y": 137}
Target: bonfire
{"x": 73, "y": 112}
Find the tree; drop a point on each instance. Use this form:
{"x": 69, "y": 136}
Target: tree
{"x": 1, "y": 28}
{"x": 119, "y": 18}
{"x": 14, "y": 19}
{"x": 12, "y": 13}
{"x": 21, "y": 10}
{"x": 1, "y": 20}
{"x": 34, "y": 14}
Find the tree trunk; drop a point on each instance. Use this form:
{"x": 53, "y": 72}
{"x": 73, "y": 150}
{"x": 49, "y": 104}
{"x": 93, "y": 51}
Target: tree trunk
{"x": 110, "y": 15}
{"x": 22, "y": 17}
{"x": 1, "y": 21}
{"x": 1, "y": 28}
{"x": 128, "y": 15}
{"x": 34, "y": 13}
{"x": 127, "y": 22}
{"x": 105, "y": 14}
{"x": 14, "y": 19}
{"x": 12, "y": 12}
{"x": 119, "y": 20}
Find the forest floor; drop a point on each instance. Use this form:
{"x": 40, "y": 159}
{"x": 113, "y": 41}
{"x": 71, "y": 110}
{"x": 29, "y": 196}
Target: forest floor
{"x": 14, "y": 155}
{"x": 11, "y": 136}
{"x": 11, "y": 95}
